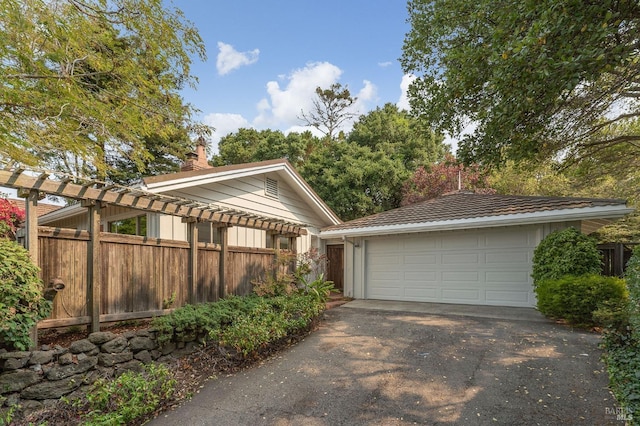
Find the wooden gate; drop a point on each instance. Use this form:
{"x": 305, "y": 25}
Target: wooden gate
{"x": 335, "y": 269}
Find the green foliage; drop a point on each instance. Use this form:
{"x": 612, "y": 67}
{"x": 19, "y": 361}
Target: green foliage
{"x": 271, "y": 319}
{"x": 21, "y": 302}
{"x": 576, "y": 298}
{"x": 201, "y": 319}
{"x": 127, "y": 398}
{"x": 632, "y": 275}
{"x": 622, "y": 346}
{"x": 250, "y": 145}
{"x": 538, "y": 77}
{"x": 276, "y": 280}
{"x": 245, "y": 324}
{"x": 565, "y": 252}
{"x": 83, "y": 81}
{"x": 623, "y": 367}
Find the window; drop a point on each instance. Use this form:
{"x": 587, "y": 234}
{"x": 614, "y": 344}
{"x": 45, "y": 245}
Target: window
{"x": 131, "y": 226}
{"x": 207, "y": 233}
{"x": 271, "y": 187}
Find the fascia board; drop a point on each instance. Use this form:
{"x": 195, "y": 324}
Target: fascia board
{"x": 611, "y": 212}
{"x": 190, "y": 181}
{"x": 62, "y": 213}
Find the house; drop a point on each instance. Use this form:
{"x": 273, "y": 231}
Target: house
{"x": 463, "y": 247}
{"x": 268, "y": 190}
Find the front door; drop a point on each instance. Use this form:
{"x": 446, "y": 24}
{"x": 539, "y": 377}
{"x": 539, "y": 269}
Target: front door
{"x": 335, "y": 268}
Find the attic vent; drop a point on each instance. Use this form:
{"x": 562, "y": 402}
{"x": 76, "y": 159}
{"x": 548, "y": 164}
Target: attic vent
{"x": 271, "y": 187}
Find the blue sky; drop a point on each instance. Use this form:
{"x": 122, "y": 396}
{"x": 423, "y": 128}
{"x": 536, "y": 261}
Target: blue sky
{"x": 265, "y": 58}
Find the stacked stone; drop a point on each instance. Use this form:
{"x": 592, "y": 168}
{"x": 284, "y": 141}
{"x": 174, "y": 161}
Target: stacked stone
{"x": 34, "y": 379}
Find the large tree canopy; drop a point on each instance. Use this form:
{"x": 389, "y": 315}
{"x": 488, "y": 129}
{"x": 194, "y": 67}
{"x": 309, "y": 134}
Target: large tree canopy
{"x": 539, "y": 78}
{"x": 92, "y": 79}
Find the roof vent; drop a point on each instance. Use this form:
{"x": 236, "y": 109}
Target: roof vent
{"x": 271, "y": 187}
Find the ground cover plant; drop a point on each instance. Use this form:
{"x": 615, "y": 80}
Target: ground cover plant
{"x": 621, "y": 344}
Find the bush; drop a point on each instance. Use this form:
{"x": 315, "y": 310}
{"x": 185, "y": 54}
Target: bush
{"x": 127, "y": 398}
{"x": 566, "y": 252}
{"x": 576, "y": 298}
{"x": 245, "y": 324}
{"x": 21, "y": 301}
{"x": 632, "y": 275}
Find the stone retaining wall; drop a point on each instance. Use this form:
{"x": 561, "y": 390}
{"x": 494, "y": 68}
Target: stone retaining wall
{"x": 33, "y": 379}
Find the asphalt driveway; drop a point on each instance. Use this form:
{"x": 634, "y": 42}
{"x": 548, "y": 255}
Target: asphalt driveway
{"x": 370, "y": 366}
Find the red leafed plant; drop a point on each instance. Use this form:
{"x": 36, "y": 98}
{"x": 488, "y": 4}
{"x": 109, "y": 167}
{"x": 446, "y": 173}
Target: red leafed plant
{"x": 441, "y": 178}
{"x": 11, "y": 218}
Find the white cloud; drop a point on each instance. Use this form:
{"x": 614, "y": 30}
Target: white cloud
{"x": 284, "y": 104}
{"x": 224, "y": 124}
{"x": 403, "y": 102}
{"x": 230, "y": 59}
{"x": 384, "y": 64}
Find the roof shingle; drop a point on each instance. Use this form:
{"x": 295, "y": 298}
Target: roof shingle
{"x": 468, "y": 205}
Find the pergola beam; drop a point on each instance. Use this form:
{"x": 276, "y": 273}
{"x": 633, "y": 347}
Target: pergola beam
{"x": 141, "y": 200}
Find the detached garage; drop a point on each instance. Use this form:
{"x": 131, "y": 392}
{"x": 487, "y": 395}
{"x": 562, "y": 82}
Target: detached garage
{"x": 462, "y": 247}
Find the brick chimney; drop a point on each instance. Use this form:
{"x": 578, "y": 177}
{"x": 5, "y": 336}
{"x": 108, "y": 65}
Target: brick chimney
{"x": 197, "y": 160}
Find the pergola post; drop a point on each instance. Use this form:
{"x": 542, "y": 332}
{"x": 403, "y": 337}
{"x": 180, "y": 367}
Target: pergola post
{"x": 224, "y": 254}
{"x": 94, "y": 269}
{"x": 31, "y": 241}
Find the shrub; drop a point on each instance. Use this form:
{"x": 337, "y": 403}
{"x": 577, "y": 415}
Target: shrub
{"x": 632, "y": 275}
{"x": 127, "y": 398}
{"x": 276, "y": 280}
{"x": 21, "y": 301}
{"x": 566, "y": 252}
{"x": 576, "y": 298}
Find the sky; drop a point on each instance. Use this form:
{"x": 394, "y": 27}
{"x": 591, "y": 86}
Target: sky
{"x": 266, "y": 58}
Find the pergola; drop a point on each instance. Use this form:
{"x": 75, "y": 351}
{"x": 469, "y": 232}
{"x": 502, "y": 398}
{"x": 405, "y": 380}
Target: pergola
{"x": 94, "y": 195}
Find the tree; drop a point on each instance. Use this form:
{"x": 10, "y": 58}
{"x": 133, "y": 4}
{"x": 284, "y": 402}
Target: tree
{"x": 331, "y": 109}
{"x": 399, "y": 135}
{"x": 86, "y": 80}
{"x": 249, "y": 145}
{"x": 440, "y": 178}
{"x": 354, "y": 180}
{"x": 540, "y": 79}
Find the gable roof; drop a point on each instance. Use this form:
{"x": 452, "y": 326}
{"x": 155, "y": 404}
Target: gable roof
{"x": 464, "y": 210}
{"x": 282, "y": 167}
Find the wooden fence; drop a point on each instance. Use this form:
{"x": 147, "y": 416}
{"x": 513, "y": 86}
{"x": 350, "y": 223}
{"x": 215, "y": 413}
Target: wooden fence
{"x": 615, "y": 257}
{"x": 141, "y": 277}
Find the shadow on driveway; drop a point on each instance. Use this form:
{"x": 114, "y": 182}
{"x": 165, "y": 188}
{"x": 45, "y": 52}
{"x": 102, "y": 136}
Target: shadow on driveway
{"x": 374, "y": 367}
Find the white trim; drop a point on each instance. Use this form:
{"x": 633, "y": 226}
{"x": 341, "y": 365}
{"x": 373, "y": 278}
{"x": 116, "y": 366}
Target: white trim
{"x": 606, "y": 212}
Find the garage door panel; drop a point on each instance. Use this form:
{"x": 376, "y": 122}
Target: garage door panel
{"x": 501, "y": 297}
{"x": 510, "y": 277}
{"x": 456, "y": 276}
{"x": 460, "y": 258}
{"x": 460, "y": 241}
{"x": 422, "y": 259}
{"x": 425, "y": 294}
{"x": 429, "y": 276}
{"x": 513, "y": 256}
{"x": 490, "y": 267}
{"x": 468, "y": 294}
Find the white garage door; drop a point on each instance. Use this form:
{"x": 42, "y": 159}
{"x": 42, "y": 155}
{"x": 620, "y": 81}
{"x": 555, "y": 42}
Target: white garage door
{"x": 480, "y": 267}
